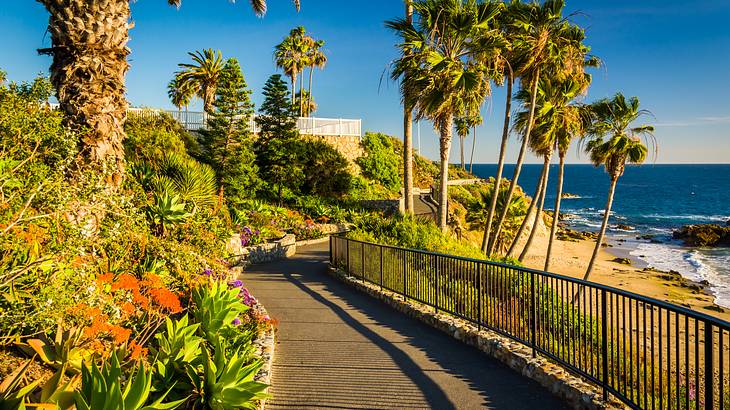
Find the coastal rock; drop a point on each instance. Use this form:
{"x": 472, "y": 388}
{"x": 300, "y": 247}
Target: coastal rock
{"x": 624, "y": 227}
{"x": 703, "y": 235}
{"x": 567, "y": 195}
{"x": 623, "y": 261}
{"x": 571, "y": 235}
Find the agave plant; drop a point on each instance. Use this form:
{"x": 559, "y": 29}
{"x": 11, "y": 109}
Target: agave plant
{"x": 64, "y": 350}
{"x": 166, "y": 211}
{"x": 12, "y": 393}
{"x": 227, "y": 382}
{"x": 103, "y": 388}
{"x": 216, "y": 309}
{"x": 177, "y": 347}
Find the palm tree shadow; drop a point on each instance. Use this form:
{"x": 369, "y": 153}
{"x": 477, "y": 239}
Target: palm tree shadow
{"x": 498, "y": 385}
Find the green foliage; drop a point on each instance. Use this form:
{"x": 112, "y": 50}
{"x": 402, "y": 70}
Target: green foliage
{"x": 228, "y": 141}
{"x": 325, "y": 169}
{"x": 227, "y": 381}
{"x": 177, "y": 348}
{"x": 414, "y": 233}
{"x": 216, "y": 308}
{"x": 152, "y": 134}
{"x": 12, "y": 391}
{"x": 381, "y": 162}
{"x": 166, "y": 211}
{"x": 64, "y": 350}
{"x": 276, "y": 153}
{"x": 107, "y": 389}
{"x": 185, "y": 178}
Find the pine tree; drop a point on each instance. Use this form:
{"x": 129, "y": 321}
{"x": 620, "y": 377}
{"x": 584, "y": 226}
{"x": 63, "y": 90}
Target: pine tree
{"x": 278, "y": 141}
{"x": 229, "y": 141}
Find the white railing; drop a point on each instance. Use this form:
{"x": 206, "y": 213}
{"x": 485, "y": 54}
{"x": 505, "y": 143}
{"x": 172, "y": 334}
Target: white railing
{"x": 195, "y": 121}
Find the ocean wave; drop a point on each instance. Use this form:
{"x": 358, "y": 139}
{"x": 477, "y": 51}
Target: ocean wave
{"x": 696, "y": 265}
{"x": 690, "y": 217}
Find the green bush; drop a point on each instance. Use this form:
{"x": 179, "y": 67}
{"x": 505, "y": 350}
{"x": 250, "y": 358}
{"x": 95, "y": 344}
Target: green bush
{"x": 381, "y": 163}
{"x": 152, "y": 134}
{"x": 326, "y": 172}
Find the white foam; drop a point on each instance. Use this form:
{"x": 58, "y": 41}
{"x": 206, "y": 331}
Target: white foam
{"x": 693, "y": 264}
{"x": 691, "y": 217}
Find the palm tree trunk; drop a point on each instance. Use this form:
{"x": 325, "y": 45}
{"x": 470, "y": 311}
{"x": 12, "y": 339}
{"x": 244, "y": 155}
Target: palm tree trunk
{"x": 309, "y": 97}
{"x": 602, "y": 233}
{"x": 533, "y": 205}
{"x": 91, "y": 93}
{"x": 408, "y": 140}
{"x": 461, "y": 149}
{"x": 293, "y": 88}
{"x": 445, "y": 150}
{"x": 500, "y": 165}
{"x": 473, "y": 144}
{"x": 301, "y": 96}
{"x": 541, "y": 206}
{"x": 556, "y": 213}
{"x": 520, "y": 160}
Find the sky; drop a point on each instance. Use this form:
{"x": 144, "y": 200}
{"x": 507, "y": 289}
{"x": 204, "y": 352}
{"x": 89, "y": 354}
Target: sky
{"x": 673, "y": 55}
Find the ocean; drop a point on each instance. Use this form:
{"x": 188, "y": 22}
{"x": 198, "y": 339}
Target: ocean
{"x": 651, "y": 200}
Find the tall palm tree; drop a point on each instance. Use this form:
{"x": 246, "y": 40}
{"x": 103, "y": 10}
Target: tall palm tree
{"x": 179, "y": 94}
{"x": 613, "y": 141}
{"x": 89, "y": 48}
{"x": 546, "y": 44}
{"x": 441, "y": 69}
{"x": 290, "y": 56}
{"x": 474, "y": 121}
{"x": 462, "y": 131}
{"x": 567, "y": 120}
{"x": 202, "y": 75}
{"x": 317, "y": 59}
{"x": 407, "y": 134}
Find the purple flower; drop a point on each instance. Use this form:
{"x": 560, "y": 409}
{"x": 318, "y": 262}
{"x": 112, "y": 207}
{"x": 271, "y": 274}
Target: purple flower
{"x": 256, "y": 232}
{"x": 236, "y": 322}
{"x": 207, "y": 272}
{"x": 267, "y": 318}
{"x": 247, "y": 230}
{"x": 236, "y": 284}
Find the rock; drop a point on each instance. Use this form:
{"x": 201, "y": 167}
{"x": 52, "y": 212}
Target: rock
{"x": 703, "y": 235}
{"x": 623, "y": 261}
{"x": 624, "y": 227}
{"x": 567, "y": 195}
{"x": 715, "y": 308}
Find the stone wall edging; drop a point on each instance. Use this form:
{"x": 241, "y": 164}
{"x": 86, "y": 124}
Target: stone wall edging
{"x": 264, "y": 348}
{"x": 556, "y": 379}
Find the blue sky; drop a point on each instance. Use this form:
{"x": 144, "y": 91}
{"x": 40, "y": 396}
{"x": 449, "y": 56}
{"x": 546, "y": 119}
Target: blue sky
{"x": 674, "y": 55}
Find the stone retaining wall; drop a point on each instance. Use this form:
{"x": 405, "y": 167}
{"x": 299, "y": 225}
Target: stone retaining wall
{"x": 348, "y": 146}
{"x": 574, "y": 390}
{"x": 264, "y": 348}
{"x": 266, "y": 252}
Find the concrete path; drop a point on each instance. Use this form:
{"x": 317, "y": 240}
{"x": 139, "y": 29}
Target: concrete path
{"x": 341, "y": 349}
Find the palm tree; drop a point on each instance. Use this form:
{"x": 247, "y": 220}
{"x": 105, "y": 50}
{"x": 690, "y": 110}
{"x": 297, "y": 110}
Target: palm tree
{"x": 179, "y": 94}
{"x": 291, "y": 56}
{"x": 462, "y": 130}
{"x": 407, "y": 134}
{"x": 545, "y": 43}
{"x": 613, "y": 142}
{"x": 567, "y": 120}
{"x": 318, "y": 59}
{"x": 89, "y": 48}
{"x": 202, "y": 75}
{"x": 474, "y": 121}
{"x": 310, "y": 107}
{"x": 441, "y": 67}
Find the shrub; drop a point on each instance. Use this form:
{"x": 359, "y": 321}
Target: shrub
{"x": 152, "y": 134}
{"x": 325, "y": 169}
{"x": 381, "y": 163}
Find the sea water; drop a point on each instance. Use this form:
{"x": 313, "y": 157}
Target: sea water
{"x": 650, "y": 200}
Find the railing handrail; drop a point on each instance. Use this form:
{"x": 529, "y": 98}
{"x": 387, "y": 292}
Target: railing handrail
{"x": 565, "y": 319}
{"x": 646, "y": 299}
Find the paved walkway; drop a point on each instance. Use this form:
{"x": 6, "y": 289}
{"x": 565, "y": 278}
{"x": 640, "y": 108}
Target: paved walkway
{"x": 339, "y": 348}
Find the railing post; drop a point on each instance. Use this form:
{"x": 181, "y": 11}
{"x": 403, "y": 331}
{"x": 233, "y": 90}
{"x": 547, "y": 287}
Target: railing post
{"x": 437, "y": 274}
{"x": 479, "y": 296}
{"x": 533, "y": 315}
{"x": 604, "y": 345}
{"x": 709, "y": 373}
{"x": 405, "y": 291}
{"x": 347, "y": 256}
{"x": 331, "y": 256}
{"x": 381, "y": 267}
{"x": 362, "y": 254}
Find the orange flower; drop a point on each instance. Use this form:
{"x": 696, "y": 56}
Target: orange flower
{"x": 128, "y": 308}
{"x": 119, "y": 333}
{"x": 166, "y": 300}
{"x": 105, "y": 278}
{"x": 138, "y": 352}
{"x": 126, "y": 281}
{"x": 152, "y": 281}
{"x": 140, "y": 299}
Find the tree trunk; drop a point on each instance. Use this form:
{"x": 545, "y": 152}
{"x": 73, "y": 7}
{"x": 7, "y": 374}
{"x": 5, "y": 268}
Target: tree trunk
{"x": 599, "y": 240}
{"x": 89, "y": 49}
{"x": 408, "y": 140}
{"x": 500, "y": 165}
{"x": 309, "y": 97}
{"x": 473, "y": 144}
{"x": 520, "y": 160}
{"x": 293, "y": 88}
{"x": 556, "y": 213}
{"x": 445, "y": 148}
{"x": 533, "y": 205}
{"x": 461, "y": 149}
{"x": 541, "y": 206}
{"x": 301, "y": 96}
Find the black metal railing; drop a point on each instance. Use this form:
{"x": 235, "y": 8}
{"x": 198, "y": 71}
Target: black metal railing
{"x": 648, "y": 353}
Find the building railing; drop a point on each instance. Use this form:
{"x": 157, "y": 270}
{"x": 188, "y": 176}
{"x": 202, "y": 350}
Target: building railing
{"x": 196, "y": 121}
{"x": 648, "y": 353}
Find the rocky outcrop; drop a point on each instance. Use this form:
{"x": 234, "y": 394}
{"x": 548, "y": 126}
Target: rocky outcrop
{"x": 703, "y": 235}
